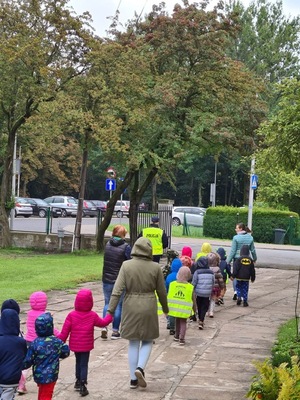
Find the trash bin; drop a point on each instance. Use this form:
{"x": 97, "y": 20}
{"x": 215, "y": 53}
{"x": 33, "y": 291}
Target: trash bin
{"x": 279, "y": 236}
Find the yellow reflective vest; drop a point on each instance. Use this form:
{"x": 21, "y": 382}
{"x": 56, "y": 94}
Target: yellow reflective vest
{"x": 155, "y": 237}
{"x": 180, "y": 299}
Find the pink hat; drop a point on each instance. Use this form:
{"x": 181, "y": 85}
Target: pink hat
{"x": 186, "y": 251}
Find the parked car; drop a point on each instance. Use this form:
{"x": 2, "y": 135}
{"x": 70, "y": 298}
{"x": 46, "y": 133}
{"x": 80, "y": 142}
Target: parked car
{"x": 89, "y": 209}
{"x": 40, "y": 208}
{"x": 122, "y": 208}
{"x": 22, "y": 207}
{"x": 100, "y": 204}
{"x": 68, "y": 204}
{"x": 194, "y": 215}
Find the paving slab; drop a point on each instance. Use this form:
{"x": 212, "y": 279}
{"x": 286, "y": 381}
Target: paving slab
{"x": 216, "y": 363}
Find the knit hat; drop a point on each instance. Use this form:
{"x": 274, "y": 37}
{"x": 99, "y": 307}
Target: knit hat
{"x": 186, "y": 261}
{"x": 10, "y": 304}
{"x": 213, "y": 259}
{"x": 184, "y": 274}
{"x": 202, "y": 262}
{"x": 186, "y": 251}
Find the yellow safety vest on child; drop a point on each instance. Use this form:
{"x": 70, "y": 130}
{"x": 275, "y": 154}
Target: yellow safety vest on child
{"x": 180, "y": 299}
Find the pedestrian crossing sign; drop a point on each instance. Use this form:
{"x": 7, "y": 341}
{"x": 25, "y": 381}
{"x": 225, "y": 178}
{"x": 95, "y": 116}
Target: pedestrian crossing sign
{"x": 254, "y": 179}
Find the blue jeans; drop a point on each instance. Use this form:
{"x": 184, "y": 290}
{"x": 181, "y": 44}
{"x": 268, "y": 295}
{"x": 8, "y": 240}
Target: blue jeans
{"x": 107, "y": 290}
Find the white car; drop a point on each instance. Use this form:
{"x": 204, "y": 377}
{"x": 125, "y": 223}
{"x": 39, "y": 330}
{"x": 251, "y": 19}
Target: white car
{"x": 68, "y": 204}
{"x": 122, "y": 208}
{"x": 194, "y": 215}
{"x": 23, "y": 207}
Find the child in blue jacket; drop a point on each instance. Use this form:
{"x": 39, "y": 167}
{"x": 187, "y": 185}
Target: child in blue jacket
{"x": 12, "y": 352}
{"x": 225, "y": 269}
{"x": 43, "y": 355}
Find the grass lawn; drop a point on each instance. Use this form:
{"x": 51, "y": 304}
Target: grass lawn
{"x": 23, "y": 272}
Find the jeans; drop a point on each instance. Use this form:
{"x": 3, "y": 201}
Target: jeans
{"x": 8, "y": 392}
{"x": 107, "y": 290}
{"x": 138, "y": 355}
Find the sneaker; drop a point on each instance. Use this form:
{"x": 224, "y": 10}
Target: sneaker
{"x": 115, "y": 335}
{"x": 193, "y": 318}
{"x": 201, "y": 325}
{"x": 133, "y": 383}
{"x": 211, "y": 315}
{"x": 221, "y": 301}
{"x": 181, "y": 342}
{"x": 22, "y": 390}
{"x": 234, "y": 296}
{"x": 83, "y": 390}
{"x": 77, "y": 384}
{"x": 239, "y": 302}
{"x": 139, "y": 373}
{"x": 172, "y": 332}
{"x": 245, "y": 303}
{"x": 176, "y": 338}
{"x": 104, "y": 334}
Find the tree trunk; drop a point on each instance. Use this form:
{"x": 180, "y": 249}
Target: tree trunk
{"x": 77, "y": 229}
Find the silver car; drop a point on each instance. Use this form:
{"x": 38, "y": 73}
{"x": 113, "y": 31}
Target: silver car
{"x": 68, "y": 204}
{"x": 22, "y": 207}
{"x": 194, "y": 215}
{"x": 122, "y": 208}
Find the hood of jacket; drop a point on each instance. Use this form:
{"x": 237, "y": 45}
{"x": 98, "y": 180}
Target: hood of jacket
{"x": 176, "y": 264}
{"x": 10, "y": 322}
{"x": 84, "y": 300}
{"x": 38, "y": 301}
{"x": 186, "y": 251}
{"x": 245, "y": 251}
{"x": 184, "y": 274}
{"x": 202, "y": 262}
{"x": 10, "y": 304}
{"x": 206, "y": 248}
{"x": 44, "y": 325}
{"x": 116, "y": 241}
{"x": 142, "y": 248}
{"x": 222, "y": 253}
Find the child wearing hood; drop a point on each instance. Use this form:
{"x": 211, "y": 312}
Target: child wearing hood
{"x": 43, "y": 355}
{"x": 9, "y": 304}
{"x": 243, "y": 271}
{"x": 186, "y": 256}
{"x": 12, "y": 352}
{"x": 218, "y": 289}
{"x": 225, "y": 269}
{"x": 203, "y": 282}
{"x": 180, "y": 302}
{"x": 175, "y": 266}
{"x": 80, "y": 324}
{"x": 38, "y": 305}
{"x": 205, "y": 249}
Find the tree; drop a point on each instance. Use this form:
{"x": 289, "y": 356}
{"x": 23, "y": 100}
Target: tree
{"x": 278, "y": 159}
{"x": 42, "y": 47}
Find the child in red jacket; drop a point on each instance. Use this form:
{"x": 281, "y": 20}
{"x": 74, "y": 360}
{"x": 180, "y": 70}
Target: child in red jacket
{"x": 80, "y": 324}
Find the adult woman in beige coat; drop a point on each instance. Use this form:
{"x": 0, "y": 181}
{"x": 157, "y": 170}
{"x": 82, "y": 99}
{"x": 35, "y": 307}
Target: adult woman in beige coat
{"x": 140, "y": 278}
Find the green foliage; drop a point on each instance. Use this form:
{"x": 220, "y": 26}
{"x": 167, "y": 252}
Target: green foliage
{"x": 287, "y": 344}
{"x": 220, "y": 222}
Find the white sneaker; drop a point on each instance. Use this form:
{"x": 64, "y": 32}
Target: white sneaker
{"x": 104, "y": 334}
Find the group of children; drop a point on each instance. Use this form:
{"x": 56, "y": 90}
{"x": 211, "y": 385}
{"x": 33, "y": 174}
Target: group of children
{"x": 43, "y": 345}
{"x": 198, "y": 286}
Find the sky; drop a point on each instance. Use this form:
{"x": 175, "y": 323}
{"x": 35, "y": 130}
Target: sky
{"x": 101, "y": 9}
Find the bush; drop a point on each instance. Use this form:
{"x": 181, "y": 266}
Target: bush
{"x": 219, "y": 222}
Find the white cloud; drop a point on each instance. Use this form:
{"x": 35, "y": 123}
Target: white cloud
{"x": 102, "y": 9}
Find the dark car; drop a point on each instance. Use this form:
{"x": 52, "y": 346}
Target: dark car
{"x": 89, "y": 209}
{"x": 100, "y": 204}
{"x": 40, "y": 208}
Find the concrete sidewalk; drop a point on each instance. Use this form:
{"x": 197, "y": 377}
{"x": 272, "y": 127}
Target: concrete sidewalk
{"x": 215, "y": 363}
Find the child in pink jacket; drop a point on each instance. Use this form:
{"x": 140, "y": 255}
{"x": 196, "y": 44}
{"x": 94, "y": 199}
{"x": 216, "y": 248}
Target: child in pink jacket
{"x": 80, "y": 324}
{"x": 38, "y": 305}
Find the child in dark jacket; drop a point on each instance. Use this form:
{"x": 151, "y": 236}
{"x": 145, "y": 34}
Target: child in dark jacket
{"x": 225, "y": 269}
{"x": 43, "y": 355}
{"x": 12, "y": 352}
{"x": 243, "y": 271}
{"x": 80, "y": 324}
{"x": 218, "y": 289}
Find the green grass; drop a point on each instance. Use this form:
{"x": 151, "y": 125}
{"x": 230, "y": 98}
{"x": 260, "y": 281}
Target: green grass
{"x": 287, "y": 344}
{"x": 23, "y": 272}
{"x": 177, "y": 231}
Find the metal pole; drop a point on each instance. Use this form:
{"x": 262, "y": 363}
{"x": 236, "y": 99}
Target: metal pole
{"x": 215, "y": 186}
{"x": 251, "y": 192}
{"x": 13, "y": 182}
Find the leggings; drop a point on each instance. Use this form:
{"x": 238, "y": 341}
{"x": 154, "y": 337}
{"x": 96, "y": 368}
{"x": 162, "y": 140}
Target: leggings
{"x": 46, "y": 390}
{"x": 138, "y": 355}
{"x": 81, "y": 367}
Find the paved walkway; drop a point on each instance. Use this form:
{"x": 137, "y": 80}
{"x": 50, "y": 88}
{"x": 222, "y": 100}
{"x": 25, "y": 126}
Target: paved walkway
{"x": 215, "y": 363}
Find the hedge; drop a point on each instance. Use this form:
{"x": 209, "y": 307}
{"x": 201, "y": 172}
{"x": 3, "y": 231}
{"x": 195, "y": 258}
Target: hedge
{"x": 220, "y": 222}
